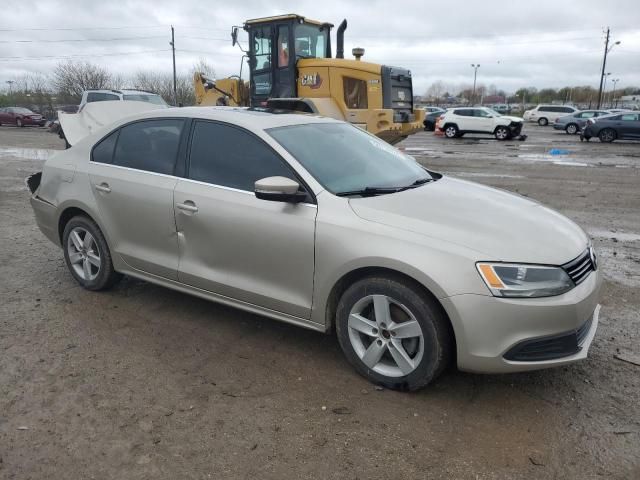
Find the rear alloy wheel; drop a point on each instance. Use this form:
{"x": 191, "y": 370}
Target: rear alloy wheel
{"x": 502, "y": 133}
{"x": 392, "y": 334}
{"x": 571, "y": 129}
{"x": 607, "y": 135}
{"x": 19, "y": 122}
{"x": 451, "y": 131}
{"x": 543, "y": 122}
{"x": 87, "y": 254}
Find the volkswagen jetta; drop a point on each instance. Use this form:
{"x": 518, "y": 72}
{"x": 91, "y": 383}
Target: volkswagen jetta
{"x": 315, "y": 222}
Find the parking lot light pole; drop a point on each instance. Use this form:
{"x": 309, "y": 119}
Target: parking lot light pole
{"x": 475, "y": 74}
{"x": 613, "y": 93}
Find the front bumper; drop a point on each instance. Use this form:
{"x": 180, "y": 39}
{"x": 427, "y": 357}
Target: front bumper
{"x": 488, "y": 328}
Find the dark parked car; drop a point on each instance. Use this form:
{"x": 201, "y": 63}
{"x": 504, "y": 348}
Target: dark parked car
{"x": 620, "y": 126}
{"x": 20, "y": 117}
{"x": 575, "y": 122}
{"x": 431, "y": 118}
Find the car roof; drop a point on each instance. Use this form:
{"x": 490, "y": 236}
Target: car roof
{"x": 250, "y": 118}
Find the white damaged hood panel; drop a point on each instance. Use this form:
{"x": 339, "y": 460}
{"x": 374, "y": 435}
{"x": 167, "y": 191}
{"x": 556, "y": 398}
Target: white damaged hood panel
{"x": 96, "y": 115}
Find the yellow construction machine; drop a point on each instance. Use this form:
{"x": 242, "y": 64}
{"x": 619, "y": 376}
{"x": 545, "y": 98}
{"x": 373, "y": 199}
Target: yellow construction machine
{"x": 290, "y": 67}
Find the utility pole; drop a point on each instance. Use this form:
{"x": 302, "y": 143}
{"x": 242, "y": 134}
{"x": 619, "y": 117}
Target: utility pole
{"x": 10, "y": 82}
{"x": 173, "y": 50}
{"x": 475, "y": 74}
{"x": 607, "y": 49}
{"x": 604, "y": 89}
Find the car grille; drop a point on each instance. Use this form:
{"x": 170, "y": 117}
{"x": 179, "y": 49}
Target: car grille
{"x": 551, "y": 347}
{"x": 580, "y": 268}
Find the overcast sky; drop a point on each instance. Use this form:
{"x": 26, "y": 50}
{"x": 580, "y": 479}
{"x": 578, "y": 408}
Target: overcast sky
{"x": 517, "y": 43}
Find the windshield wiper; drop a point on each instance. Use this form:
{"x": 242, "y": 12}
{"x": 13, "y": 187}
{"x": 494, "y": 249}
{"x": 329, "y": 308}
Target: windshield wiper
{"x": 371, "y": 191}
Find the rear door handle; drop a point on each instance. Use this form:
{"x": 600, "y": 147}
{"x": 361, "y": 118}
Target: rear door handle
{"x": 187, "y": 206}
{"x": 103, "y": 187}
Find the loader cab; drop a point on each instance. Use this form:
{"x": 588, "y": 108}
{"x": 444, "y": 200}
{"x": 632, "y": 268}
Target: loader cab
{"x": 275, "y": 46}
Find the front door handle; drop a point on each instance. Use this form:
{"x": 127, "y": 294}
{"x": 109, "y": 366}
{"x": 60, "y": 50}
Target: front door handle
{"x": 103, "y": 187}
{"x": 187, "y": 206}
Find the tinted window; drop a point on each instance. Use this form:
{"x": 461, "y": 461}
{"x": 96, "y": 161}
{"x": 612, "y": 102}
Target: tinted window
{"x": 151, "y": 145}
{"x": 355, "y": 93}
{"x": 481, "y": 113}
{"x": 101, "y": 97}
{"x": 463, "y": 113}
{"x": 545, "y": 109}
{"x": 231, "y": 157}
{"x": 103, "y": 151}
{"x": 565, "y": 109}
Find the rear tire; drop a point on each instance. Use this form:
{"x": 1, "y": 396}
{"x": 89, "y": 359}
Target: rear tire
{"x": 451, "y": 131}
{"x": 607, "y": 135}
{"x": 392, "y": 333}
{"x": 87, "y": 254}
{"x": 572, "y": 129}
{"x": 543, "y": 122}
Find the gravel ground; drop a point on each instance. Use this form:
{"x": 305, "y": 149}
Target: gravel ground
{"x": 143, "y": 382}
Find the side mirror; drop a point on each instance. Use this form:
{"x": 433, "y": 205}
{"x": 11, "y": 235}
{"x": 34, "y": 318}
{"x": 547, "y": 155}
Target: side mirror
{"x": 234, "y": 36}
{"x": 279, "y": 189}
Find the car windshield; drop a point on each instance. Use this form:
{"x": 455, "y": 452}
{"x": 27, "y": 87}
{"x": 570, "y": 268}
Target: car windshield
{"x": 22, "y": 110}
{"x": 139, "y": 97}
{"x": 344, "y": 158}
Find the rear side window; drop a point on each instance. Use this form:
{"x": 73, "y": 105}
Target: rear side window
{"x": 231, "y": 157}
{"x": 151, "y": 145}
{"x": 101, "y": 97}
{"x": 629, "y": 117}
{"x": 545, "y": 109}
{"x": 565, "y": 109}
{"x": 463, "y": 113}
{"x": 103, "y": 151}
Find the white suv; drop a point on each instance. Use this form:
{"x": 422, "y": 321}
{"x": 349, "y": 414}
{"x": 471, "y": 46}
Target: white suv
{"x": 542, "y": 113}
{"x": 90, "y": 96}
{"x": 458, "y": 121}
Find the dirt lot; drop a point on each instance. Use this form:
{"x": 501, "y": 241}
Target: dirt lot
{"x": 143, "y": 382}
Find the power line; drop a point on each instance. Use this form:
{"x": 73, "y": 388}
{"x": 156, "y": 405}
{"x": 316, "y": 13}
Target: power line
{"x": 83, "y": 39}
{"x": 47, "y": 29}
{"x": 91, "y": 55}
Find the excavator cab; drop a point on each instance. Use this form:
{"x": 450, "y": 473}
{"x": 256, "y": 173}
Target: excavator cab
{"x": 275, "y": 46}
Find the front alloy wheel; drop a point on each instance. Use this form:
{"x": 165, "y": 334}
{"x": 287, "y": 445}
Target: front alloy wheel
{"x": 502, "y": 133}
{"x": 393, "y": 332}
{"x": 385, "y": 336}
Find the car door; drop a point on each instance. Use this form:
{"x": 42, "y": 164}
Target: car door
{"x": 628, "y": 126}
{"x": 232, "y": 243}
{"x": 482, "y": 121}
{"x": 132, "y": 177}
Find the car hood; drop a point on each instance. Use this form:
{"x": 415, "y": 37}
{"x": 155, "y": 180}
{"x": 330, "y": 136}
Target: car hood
{"x": 512, "y": 119}
{"x": 497, "y": 224}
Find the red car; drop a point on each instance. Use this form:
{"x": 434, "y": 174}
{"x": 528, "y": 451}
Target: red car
{"x": 20, "y": 117}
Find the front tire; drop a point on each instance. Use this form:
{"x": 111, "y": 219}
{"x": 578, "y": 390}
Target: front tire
{"x": 607, "y": 135}
{"x": 392, "y": 333}
{"x": 502, "y": 133}
{"x": 19, "y": 123}
{"x": 571, "y": 129}
{"x": 543, "y": 122}
{"x": 87, "y": 254}
{"x": 451, "y": 131}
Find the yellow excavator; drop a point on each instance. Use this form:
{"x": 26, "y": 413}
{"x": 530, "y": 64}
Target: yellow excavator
{"x": 291, "y": 67}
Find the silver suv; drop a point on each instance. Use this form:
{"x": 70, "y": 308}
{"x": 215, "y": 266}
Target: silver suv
{"x": 315, "y": 222}
{"x": 543, "y": 114}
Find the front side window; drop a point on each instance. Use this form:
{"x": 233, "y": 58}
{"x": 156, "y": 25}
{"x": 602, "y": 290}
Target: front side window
{"x": 231, "y": 157}
{"x": 310, "y": 41}
{"x": 151, "y": 145}
{"x": 355, "y": 93}
{"x": 343, "y": 158}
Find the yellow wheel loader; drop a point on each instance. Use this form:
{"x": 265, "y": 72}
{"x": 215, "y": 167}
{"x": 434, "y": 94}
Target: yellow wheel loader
{"x": 290, "y": 67}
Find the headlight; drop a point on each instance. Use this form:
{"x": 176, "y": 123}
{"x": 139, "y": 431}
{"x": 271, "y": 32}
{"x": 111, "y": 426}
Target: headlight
{"x": 513, "y": 280}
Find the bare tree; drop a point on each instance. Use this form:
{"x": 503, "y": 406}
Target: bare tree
{"x": 72, "y": 78}
{"x": 205, "y": 68}
{"x": 162, "y": 84}
{"x": 435, "y": 91}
